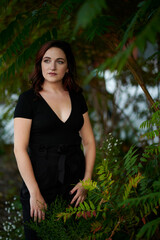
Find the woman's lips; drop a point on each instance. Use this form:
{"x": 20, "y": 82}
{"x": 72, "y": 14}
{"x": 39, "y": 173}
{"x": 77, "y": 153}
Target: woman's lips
{"x": 52, "y": 74}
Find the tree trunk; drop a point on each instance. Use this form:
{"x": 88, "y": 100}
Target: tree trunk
{"x": 138, "y": 76}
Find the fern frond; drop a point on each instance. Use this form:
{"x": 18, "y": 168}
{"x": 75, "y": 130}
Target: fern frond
{"x": 133, "y": 182}
{"x": 21, "y": 60}
{"x": 89, "y": 184}
{"x": 67, "y": 6}
{"x": 97, "y": 27}
{"x": 88, "y": 11}
{"x": 96, "y": 226}
{"x": 129, "y": 32}
{"x": 33, "y": 18}
{"x": 148, "y": 229}
{"x": 117, "y": 62}
{"x": 156, "y": 104}
{"x": 151, "y": 134}
{"x": 6, "y": 34}
{"x": 135, "y": 202}
{"x": 130, "y": 160}
{"x": 152, "y": 28}
{"x": 144, "y": 187}
{"x": 104, "y": 176}
{"x": 85, "y": 210}
{"x": 154, "y": 121}
{"x": 152, "y": 149}
{"x": 146, "y": 124}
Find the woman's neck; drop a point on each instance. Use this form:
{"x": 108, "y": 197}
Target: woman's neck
{"x": 52, "y": 87}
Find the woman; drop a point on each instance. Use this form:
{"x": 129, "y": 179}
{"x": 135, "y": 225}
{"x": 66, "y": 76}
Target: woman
{"x": 50, "y": 120}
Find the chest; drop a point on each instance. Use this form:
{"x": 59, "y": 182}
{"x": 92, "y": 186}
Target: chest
{"x": 50, "y": 117}
{"x": 61, "y": 105}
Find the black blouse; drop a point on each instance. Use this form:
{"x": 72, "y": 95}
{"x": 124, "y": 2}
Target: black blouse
{"x": 47, "y": 128}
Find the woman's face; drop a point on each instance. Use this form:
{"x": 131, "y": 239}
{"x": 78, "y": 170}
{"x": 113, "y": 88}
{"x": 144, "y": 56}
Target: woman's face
{"x": 54, "y": 65}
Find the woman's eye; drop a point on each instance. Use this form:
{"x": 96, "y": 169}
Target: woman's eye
{"x": 46, "y": 61}
{"x": 61, "y": 62}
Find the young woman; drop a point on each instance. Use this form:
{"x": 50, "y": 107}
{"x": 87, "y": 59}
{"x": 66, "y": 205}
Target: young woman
{"x": 50, "y": 122}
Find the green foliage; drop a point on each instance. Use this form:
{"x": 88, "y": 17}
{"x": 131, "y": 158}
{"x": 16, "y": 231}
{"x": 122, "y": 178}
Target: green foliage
{"x": 154, "y": 122}
{"x": 129, "y": 33}
{"x": 88, "y": 11}
{"x": 98, "y": 27}
{"x": 68, "y": 6}
{"x": 149, "y": 229}
{"x": 84, "y": 21}
{"x": 24, "y": 56}
{"x": 12, "y": 227}
{"x": 130, "y": 160}
{"x": 148, "y": 32}
{"x": 18, "y": 51}
{"x": 51, "y": 228}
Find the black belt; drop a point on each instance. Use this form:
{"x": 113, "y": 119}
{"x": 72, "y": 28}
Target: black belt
{"x": 61, "y": 149}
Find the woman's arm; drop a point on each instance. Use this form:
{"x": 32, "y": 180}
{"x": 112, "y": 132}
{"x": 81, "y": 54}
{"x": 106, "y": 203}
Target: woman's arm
{"x": 22, "y": 128}
{"x": 89, "y": 147}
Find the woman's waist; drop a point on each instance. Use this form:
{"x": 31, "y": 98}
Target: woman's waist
{"x": 61, "y": 148}
{"x": 55, "y": 139}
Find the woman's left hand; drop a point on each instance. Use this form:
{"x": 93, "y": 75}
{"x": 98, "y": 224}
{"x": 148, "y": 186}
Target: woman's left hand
{"x": 80, "y": 194}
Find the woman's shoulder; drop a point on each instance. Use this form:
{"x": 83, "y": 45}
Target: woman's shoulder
{"x": 80, "y": 100}
{"x": 24, "y": 105}
{"x": 77, "y": 94}
{"x": 28, "y": 93}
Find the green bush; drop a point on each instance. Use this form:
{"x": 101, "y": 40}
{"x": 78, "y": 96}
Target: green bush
{"x": 52, "y": 228}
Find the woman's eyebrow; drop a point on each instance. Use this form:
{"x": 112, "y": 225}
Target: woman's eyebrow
{"x": 47, "y": 57}
{"x": 50, "y": 58}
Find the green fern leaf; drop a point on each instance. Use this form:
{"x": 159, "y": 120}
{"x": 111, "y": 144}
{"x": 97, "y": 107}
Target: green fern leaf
{"x": 21, "y": 60}
{"x": 143, "y": 160}
{"x": 88, "y": 11}
{"x": 155, "y": 211}
{"x": 91, "y": 205}
{"x": 67, "y": 6}
{"x": 86, "y": 205}
{"x": 97, "y": 27}
{"x": 82, "y": 206}
{"x": 148, "y": 229}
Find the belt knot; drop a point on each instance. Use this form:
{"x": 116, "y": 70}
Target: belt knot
{"x": 62, "y": 148}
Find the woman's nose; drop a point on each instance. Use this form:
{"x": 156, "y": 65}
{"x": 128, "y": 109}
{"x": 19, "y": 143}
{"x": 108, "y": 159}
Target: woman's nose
{"x": 53, "y": 66}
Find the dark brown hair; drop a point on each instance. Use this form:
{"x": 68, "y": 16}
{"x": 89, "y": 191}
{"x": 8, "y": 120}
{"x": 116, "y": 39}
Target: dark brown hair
{"x": 69, "y": 80}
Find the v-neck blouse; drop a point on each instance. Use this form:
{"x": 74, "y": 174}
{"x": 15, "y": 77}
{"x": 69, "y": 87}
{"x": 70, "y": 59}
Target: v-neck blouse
{"x": 47, "y": 127}
{"x": 54, "y": 111}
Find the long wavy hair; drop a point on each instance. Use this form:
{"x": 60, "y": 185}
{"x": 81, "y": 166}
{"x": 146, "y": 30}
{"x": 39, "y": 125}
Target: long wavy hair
{"x": 69, "y": 79}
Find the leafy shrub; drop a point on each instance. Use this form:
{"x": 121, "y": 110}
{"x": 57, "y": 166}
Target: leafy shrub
{"x": 12, "y": 228}
{"x": 52, "y": 228}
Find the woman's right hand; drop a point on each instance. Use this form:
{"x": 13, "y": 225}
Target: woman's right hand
{"x": 38, "y": 206}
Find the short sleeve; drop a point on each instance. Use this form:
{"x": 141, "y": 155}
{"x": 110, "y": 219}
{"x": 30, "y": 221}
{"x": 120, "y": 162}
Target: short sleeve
{"x": 24, "y": 106}
{"x": 83, "y": 104}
